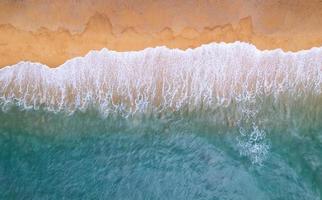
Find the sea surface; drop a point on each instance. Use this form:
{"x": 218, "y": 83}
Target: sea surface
{"x": 222, "y": 121}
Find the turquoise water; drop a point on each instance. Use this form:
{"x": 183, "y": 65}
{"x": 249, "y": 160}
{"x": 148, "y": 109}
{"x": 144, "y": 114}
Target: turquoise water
{"x": 223, "y": 121}
{"x": 175, "y": 156}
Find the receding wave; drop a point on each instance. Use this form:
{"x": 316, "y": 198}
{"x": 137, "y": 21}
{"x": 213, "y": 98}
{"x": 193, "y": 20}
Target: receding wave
{"x": 161, "y": 79}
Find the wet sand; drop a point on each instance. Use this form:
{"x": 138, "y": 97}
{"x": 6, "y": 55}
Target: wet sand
{"x": 53, "y": 32}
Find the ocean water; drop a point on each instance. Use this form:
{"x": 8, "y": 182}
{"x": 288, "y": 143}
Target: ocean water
{"x": 222, "y": 121}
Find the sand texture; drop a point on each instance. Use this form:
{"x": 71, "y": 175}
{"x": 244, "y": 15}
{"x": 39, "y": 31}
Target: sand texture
{"x": 52, "y": 32}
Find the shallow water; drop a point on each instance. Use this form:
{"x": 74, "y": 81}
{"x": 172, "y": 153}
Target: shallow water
{"x": 54, "y": 156}
{"x": 223, "y": 121}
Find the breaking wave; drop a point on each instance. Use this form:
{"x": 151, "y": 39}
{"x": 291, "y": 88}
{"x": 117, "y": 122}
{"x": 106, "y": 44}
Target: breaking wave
{"x": 159, "y": 79}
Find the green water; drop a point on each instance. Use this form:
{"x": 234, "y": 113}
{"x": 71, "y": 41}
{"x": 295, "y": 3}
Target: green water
{"x": 175, "y": 156}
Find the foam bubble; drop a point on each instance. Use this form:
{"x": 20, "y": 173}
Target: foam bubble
{"x": 158, "y": 79}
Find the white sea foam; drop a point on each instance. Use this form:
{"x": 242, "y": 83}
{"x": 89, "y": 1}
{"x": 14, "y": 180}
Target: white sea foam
{"x": 159, "y": 78}
{"x": 209, "y": 78}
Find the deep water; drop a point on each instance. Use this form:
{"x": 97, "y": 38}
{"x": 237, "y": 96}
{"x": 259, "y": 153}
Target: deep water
{"x": 171, "y": 156}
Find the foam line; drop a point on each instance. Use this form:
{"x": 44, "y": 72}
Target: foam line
{"x": 160, "y": 78}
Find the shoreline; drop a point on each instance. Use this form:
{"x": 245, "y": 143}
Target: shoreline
{"x": 175, "y": 50}
{"x": 33, "y": 31}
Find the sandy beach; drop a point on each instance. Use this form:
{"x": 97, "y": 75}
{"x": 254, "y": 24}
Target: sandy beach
{"x": 53, "y": 32}
{"x": 161, "y": 99}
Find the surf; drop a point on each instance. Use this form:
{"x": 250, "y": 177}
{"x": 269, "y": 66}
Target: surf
{"x": 159, "y": 79}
